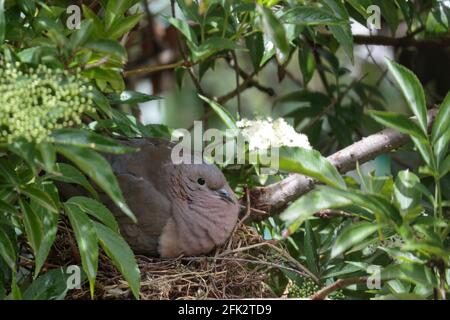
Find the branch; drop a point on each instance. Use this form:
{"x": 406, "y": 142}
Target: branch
{"x": 275, "y": 197}
{"x": 251, "y": 83}
{"x": 402, "y": 42}
{"x": 339, "y": 284}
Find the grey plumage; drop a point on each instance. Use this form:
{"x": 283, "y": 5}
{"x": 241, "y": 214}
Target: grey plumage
{"x": 181, "y": 209}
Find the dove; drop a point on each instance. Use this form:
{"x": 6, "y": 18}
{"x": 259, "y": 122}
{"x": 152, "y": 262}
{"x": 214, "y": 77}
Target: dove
{"x": 181, "y": 209}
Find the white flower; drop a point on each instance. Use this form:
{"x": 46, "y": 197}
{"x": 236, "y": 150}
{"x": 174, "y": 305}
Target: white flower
{"x": 264, "y": 134}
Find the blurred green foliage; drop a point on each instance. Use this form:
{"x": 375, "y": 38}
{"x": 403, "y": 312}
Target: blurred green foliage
{"x": 307, "y": 44}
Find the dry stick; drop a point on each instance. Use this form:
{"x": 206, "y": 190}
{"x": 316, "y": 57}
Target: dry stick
{"x": 341, "y": 283}
{"x": 252, "y": 83}
{"x": 152, "y": 69}
{"x": 275, "y": 197}
{"x": 236, "y": 69}
{"x": 406, "y": 41}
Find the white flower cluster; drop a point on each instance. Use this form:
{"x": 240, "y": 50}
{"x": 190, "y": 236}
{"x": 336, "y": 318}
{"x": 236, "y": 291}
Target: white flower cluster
{"x": 34, "y": 102}
{"x": 266, "y": 134}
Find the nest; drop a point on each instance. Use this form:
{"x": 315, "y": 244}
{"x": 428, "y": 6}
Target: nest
{"x": 239, "y": 269}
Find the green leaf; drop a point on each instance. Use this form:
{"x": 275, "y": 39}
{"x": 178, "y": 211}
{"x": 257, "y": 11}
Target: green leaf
{"x": 108, "y": 46}
{"x": 70, "y": 174}
{"x": 8, "y": 172}
{"x": 124, "y": 25}
{"x": 304, "y": 15}
{"x": 86, "y": 237}
{"x": 81, "y": 35}
{"x": 411, "y": 272}
{"x": 89, "y": 139}
{"x": 407, "y": 126}
{"x": 130, "y": 97}
{"x": 16, "y": 293}
{"x": 40, "y": 197}
{"x": 310, "y": 163}
{"x": 6, "y": 207}
{"x": 33, "y": 225}
{"x": 352, "y": 235}
{"x": 99, "y": 170}
{"x": 49, "y": 221}
{"x": 310, "y": 249}
{"x": 442, "y": 122}
{"x": 445, "y": 166}
{"x": 324, "y": 197}
{"x": 255, "y": 44}
{"x": 406, "y": 192}
{"x": 226, "y": 117}
{"x": 97, "y": 210}
{"x": 7, "y": 251}
{"x": 101, "y": 102}
{"x": 400, "y": 123}
{"x": 49, "y": 286}
{"x": 213, "y": 45}
{"x": 310, "y": 203}
{"x": 389, "y": 13}
{"x": 274, "y": 30}
{"x": 120, "y": 253}
{"x": 184, "y": 28}
{"x": 342, "y": 33}
{"x": 48, "y": 154}
{"x": 306, "y": 62}
{"x": 441, "y": 146}
{"x": 412, "y": 91}
{"x": 115, "y": 11}
{"x": 26, "y": 150}
{"x": 2, "y": 22}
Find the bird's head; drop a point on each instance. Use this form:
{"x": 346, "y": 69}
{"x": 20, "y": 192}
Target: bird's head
{"x": 208, "y": 209}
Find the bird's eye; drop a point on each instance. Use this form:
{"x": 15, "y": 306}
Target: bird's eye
{"x": 201, "y": 181}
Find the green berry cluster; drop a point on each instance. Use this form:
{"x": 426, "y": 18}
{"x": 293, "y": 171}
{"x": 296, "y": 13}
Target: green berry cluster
{"x": 36, "y": 101}
{"x": 305, "y": 289}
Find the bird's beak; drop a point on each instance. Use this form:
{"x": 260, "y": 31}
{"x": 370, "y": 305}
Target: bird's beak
{"x": 223, "y": 194}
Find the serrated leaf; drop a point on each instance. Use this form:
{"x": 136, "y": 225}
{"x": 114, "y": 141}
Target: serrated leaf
{"x": 121, "y": 255}
{"x": 7, "y": 251}
{"x": 274, "y": 29}
{"x": 130, "y": 97}
{"x": 89, "y": 139}
{"x": 412, "y": 90}
{"x": 352, "y": 235}
{"x": 442, "y": 122}
{"x": 310, "y": 163}
{"x": 99, "y": 170}
{"x": 310, "y": 203}
{"x": 310, "y": 249}
{"x": 400, "y": 123}
{"x": 40, "y": 197}
{"x": 86, "y": 237}
{"x": 226, "y": 117}
{"x": 97, "y": 210}
{"x": 304, "y": 15}
{"x": 49, "y": 286}
{"x": 70, "y": 174}
{"x": 33, "y": 225}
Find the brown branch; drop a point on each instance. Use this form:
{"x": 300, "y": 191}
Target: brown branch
{"x": 157, "y": 68}
{"x": 247, "y": 83}
{"x": 275, "y": 197}
{"x": 252, "y": 83}
{"x": 402, "y": 42}
{"x": 339, "y": 284}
